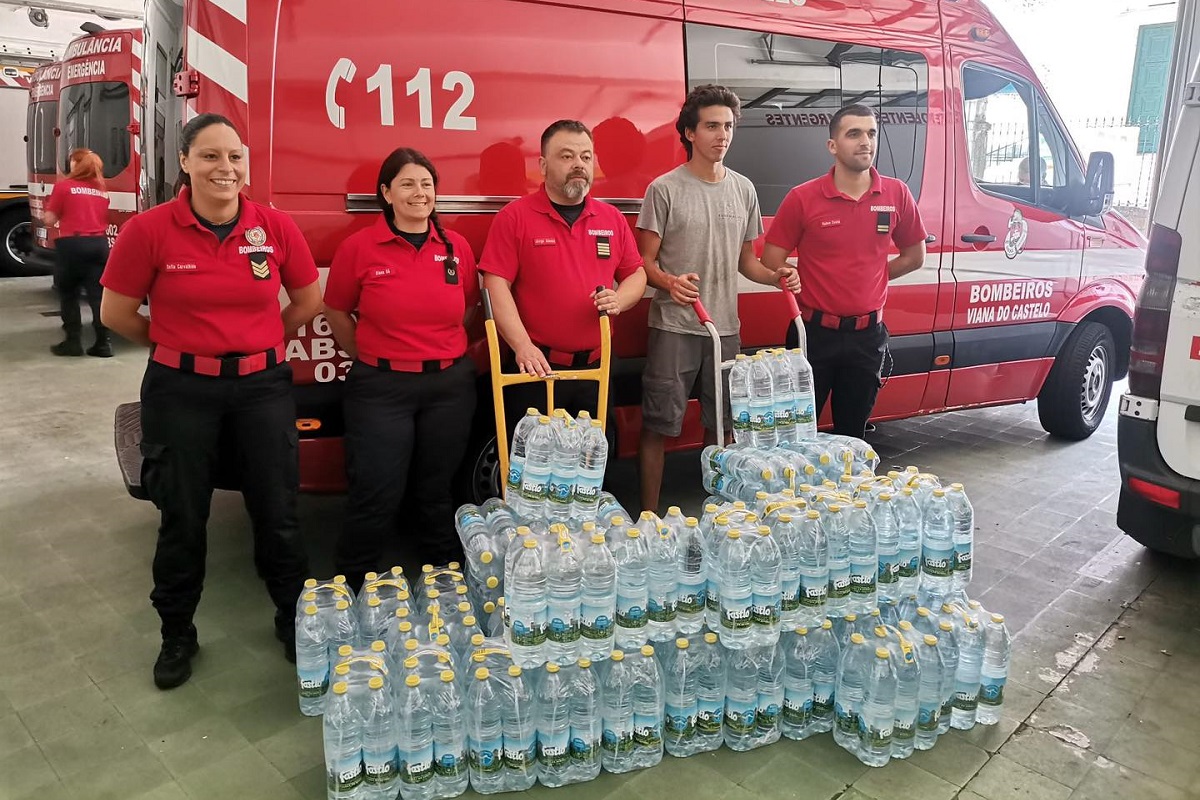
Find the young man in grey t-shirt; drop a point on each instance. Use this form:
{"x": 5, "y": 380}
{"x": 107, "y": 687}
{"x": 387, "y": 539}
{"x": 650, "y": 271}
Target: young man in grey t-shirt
{"x": 696, "y": 232}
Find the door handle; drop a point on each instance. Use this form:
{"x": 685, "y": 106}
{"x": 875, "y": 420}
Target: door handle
{"x": 978, "y": 238}
{"x": 930, "y": 239}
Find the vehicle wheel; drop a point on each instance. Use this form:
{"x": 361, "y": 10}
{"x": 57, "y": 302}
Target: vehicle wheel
{"x": 1075, "y": 396}
{"x": 478, "y": 477}
{"x": 16, "y": 241}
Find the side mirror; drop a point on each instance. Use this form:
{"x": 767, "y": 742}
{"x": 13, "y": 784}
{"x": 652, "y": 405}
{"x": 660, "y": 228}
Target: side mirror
{"x": 1095, "y": 196}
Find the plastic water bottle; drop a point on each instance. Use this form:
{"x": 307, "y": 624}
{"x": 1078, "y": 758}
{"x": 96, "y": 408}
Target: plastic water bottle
{"x": 379, "y": 746}
{"x": 449, "y": 738}
{"x": 994, "y": 671}
{"x": 629, "y": 553}
{"x": 837, "y": 541}
{"x": 787, "y": 538}
{"x": 526, "y": 603}
{"x": 536, "y": 472}
{"x": 553, "y": 710}
{"x": 964, "y": 535}
{"x": 681, "y": 700}
{"x": 824, "y": 676}
{"x": 343, "y": 626}
{"x": 516, "y": 461}
{"x": 616, "y": 694}
{"x": 709, "y": 663}
{"x": 876, "y": 720}
{"x": 910, "y": 525}
{"x": 864, "y": 558}
{"x": 848, "y": 695}
{"x": 948, "y": 649}
{"x": 692, "y": 571}
{"x": 967, "y": 677}
{"x": 564, "y": 469}
{"x": 783, "y": 381}
{"x": 766, "y": 590}
{"x": 902, "y": 645}
{"x": 520, "y": 731}
{"x": 800, "y": 658}
{"x": 739, "y": 399}
{"x": 342, "y": 731}
{"x": 312, "y": 661}
{"x": 593, "y": 459}
{"x": 564, "y": 594}
{"x": 598, "y": 599}
{"x": 762, "y": 404}
{"x": 485, "y": 734}
{"x": 662, "y": 575}
{"x": 647, "y": 709}
{"x": 769, "y": 708}
{"x": 887, "y": 545}
{"x": 937, "y": 546}
{"x": 813, "y": 559}
{"x": 414, "y": 716}
{"x": 583, "y": 692}
{"x": 929, "y": 696}
{"x": 737, "y": 592}
{"x": 806, "y": 406}
{"x": 741, "y": 699}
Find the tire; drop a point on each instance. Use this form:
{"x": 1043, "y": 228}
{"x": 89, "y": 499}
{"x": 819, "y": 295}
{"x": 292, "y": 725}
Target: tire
{"x": 16, "y": 241}
{"x": 1075, "y": 395}
{"x": 478, "y": 477}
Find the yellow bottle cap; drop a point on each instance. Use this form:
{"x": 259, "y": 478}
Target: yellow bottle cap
{"x": 481, "y": 674}
{"x": 469, "y": 620}
{"x": 529, "y": 544}
{"x": 340, "y": 687}
{"x": 857, "y": 638}
{"x": 551, "y": 667}
{"x": 710, "y": 638}
{"x": 827, "y": 625}
{"x": 412, "y": 680}
{"x": 584, "y": 663}
{"x": 342, "y": 669}
{"x": 617, "y": 655}
{"x": 647, "y": 650}
{"x": 342, "y": 605}
{"x": 345, "y": 651}
{"x": 492, "y": 581}
{"x": 486, "y": 557}
{"x": 681, "y": 643}
{"x": 310, "y": 583}
{"x": 802, "y": 631}
{"x": 411, "y": 662}
{"x": 514, "y": 671}
{"x": 310, "y": 610}
{"x": 930, "y": 639}
{"x": 375, "y": 683}
{"x": 378, "y": 646}
{"x": 881, "y": 652}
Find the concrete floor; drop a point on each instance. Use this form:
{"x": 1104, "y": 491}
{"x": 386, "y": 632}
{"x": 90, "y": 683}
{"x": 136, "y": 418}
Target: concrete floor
{"x": 1099, "y": 703}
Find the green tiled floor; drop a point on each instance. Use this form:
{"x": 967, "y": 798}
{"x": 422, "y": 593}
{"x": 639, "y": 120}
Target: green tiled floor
{"x": 1102, "y": 701}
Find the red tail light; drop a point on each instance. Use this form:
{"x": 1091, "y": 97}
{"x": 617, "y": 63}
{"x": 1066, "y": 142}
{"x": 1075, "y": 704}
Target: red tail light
{"x": 1153, "y": 313}
{"x": 1155, "y": 493}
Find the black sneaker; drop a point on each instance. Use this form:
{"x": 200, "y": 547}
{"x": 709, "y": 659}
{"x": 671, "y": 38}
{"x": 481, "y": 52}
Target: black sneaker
{"x": 67, "y": 347}
{"x": 285, "y": 631}
{"x": 174, "y": 664}
{"x": 101, "y": 349}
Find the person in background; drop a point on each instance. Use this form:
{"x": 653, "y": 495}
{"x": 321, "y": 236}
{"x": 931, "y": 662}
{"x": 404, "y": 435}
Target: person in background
{"x": 410, "y": 393}
{"x": 212, "y": 263}
{"x": 78, "y": 205}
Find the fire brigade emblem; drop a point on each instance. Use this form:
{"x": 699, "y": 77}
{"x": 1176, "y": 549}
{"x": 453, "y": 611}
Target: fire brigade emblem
{"x": 256, "y": 237}
{"x": 1018, "y": 232}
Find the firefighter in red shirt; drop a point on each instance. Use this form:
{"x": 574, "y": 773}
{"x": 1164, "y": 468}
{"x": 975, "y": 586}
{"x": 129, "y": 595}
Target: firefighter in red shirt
{"x": 545, "y": 255}
{"x": 212, "y": 263}
{"x": 410, "y": 394}
{"x": 841, "y": 225}
{"x": 79, "y": 206}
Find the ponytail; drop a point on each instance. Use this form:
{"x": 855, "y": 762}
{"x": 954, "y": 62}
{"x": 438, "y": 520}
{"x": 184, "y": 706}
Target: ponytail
{"x": 437, "y": 226}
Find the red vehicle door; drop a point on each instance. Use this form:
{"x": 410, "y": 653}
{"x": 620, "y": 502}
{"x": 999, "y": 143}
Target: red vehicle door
{"x": 41, "y": 146}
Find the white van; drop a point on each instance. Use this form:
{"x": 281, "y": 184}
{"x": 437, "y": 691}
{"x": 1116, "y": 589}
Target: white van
{"x": 1158, "y": 432}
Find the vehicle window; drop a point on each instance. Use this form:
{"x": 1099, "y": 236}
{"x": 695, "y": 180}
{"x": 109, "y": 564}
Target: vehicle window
{"x": 96, "y": 116}
{"x": 790, "y": 87}
{"x": 1061, "y": 170}
{"x": 40, "y": 120}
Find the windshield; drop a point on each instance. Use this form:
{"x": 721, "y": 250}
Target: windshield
{"x": 39, "y": 142}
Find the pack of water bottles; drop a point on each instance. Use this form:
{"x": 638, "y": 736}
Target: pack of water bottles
{"x": 556, "y": 466}
{"x": 771, "y": 398}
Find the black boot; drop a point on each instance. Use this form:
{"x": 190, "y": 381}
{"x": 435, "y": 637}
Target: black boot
{"x": 174, "y": 664}
{"x": 285, "y": 631}
{"x": 70, "y": 346}
{"x": 103, "y": 346}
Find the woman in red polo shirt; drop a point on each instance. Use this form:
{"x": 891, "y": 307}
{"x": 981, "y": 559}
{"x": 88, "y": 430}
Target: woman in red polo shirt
{"x": 212, "y": 263}
{"x": 79, "y": 206}
{"x": 410, "y": 393}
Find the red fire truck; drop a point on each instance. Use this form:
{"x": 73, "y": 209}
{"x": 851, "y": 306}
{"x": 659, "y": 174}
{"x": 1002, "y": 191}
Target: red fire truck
{"x": 41, "y": 152}
{"x": 1029, "y": 286}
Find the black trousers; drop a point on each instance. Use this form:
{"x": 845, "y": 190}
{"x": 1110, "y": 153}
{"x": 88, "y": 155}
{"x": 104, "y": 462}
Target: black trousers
{"x": 846, "y": 364}
{"x": 184, "y": 417}
{"x": 405, "y": 432}
{"x": 79, "y": 263}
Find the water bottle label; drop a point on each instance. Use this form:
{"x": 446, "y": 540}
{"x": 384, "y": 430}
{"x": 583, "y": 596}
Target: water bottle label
{"x": 739, "y": 717}
{"x": 584, "y": 746}
{"x": 712, "y": 598}
{"x": 947, "y": 708}
{"x": 910, "y": 562}
{"x": 735, "y": 616}
{"x": 533, "y": 489}
{"x": 596, "y": 622}
{"x": 345, "y": 774}
{"x": 708, "y": 716}
{"x": 785, "y": 415}
{"x": 691, "y": 598}
{"x": 991, "y": 692}
{"x": 966, "y": 698}
{"x": 790, "y": 597}
{"x": 560, "y": 491}
{"x": 962, "y": 556}
{"x": 813, "y": 591}
{"x": 631, "y": 612}
{"x": 822, "y": 699}
{"x": 720, "y": 457}
{"x": 679, "y": 722}
{"x": 617, "y": 740}
{"x": 515, "y": 468}
{"x": 520, "y": 755}
{"x": 765, "y": 610}
{"x": 527, "y": 632}
{"x": 889, "y": 571}
{"x": 806, "y": 412}
{"x": 563, "y": 627}
{"x": 741, "y": 418}
{"x": 937, "y": 561}
{"x": 846, "y": 719}
{"x": 875, "y": 737}
{"x": 380, "y": 768}
{"x": 862, "y": 579}
{"x": 448, "y": 760}
{"x": 553, "y": 749}
{"x": 661, "y": 608}
{"x": 647, "y": 730}
{"x": 488, "y": 756}
{"x": 903, "y": 730}
{"x": 314, "y": 683}
{"x": 416, "y": 766}
{"x": 764, "y": 420}
{"x": 928, "y": 717}
{"x": 797, "y": 707}
{"x": 839, "y": 583}
{"x": 587, "y": 491}
{"x": 766, "y": 715}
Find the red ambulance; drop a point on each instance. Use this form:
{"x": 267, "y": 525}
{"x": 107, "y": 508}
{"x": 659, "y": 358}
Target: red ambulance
{"x": 41, "y": 154}
{"x": 1029, "y": 286}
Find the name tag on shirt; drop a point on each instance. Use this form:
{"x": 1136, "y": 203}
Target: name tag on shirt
{"x": 544, "y": 241}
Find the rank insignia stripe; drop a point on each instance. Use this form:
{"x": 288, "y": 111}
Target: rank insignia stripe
{"x": 259, "y": 267}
